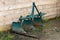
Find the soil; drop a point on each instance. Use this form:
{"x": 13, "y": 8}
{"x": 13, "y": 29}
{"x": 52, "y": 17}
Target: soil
{"x": 51, "y": 31}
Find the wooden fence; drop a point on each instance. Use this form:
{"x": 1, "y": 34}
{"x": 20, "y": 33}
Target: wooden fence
{"x": 11, "y": 10}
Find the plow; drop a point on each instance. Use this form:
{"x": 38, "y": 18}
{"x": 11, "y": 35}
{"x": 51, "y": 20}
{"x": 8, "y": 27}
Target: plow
{"x": 28, "y": 22}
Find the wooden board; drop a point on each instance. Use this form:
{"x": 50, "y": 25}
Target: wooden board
{"x": 11, "y": 10}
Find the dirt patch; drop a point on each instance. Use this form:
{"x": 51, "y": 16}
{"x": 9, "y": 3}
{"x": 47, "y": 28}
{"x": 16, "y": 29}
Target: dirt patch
{"x": 51, "y": 31}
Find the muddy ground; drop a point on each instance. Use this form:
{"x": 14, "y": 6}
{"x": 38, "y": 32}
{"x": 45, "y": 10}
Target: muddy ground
{"x": 51, "y": 31}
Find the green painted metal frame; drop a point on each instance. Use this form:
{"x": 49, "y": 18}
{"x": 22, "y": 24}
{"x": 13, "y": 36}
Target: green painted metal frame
{"x": 16, "y": 26}
{"x": 29, "y": 19}
{"x": 32, "y": 16}
{"x": 38, "y": 17}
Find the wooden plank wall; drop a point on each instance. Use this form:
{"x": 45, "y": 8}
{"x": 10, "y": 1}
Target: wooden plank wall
{"x": 11, "y": 10}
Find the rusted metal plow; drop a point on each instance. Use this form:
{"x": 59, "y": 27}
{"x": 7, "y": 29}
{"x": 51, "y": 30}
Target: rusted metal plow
{"x": 29, "y": 21}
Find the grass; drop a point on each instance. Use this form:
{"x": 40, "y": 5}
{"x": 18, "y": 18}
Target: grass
{"x": 6, "y": 36}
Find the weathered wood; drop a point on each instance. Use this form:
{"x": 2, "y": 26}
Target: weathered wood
{"x": 11, "y": 10}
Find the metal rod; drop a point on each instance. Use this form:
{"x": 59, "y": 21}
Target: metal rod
{"x": 24, "y": 34}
